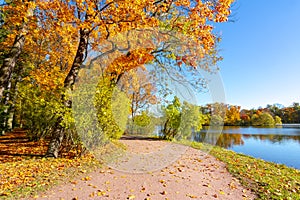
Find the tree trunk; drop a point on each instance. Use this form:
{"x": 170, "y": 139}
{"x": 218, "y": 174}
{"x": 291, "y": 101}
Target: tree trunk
{"x": 10, "y": 121}
{"x": 9, "y": 63}
{"x": 6, "y": 72}
{"x": 56, "y": 140}
{"x": 7, "y": 108}
{"x": 59, "y": 132}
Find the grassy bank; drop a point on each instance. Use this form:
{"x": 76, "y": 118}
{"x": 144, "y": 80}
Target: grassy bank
{"x": 268, "y": 180}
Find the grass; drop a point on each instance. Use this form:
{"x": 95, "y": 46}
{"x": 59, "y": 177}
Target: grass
{"x": 268, "y": 180}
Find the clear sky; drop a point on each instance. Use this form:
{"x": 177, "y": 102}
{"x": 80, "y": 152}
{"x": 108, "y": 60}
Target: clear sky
{"x": 261, "y": 51}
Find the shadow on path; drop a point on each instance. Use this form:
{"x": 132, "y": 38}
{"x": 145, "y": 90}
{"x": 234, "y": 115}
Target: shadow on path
{"x": 140, "y": 137}
{"x": 17, "y": 146}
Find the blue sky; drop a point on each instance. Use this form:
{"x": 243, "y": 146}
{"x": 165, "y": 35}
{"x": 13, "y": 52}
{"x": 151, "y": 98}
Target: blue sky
{"x": 261, "y": 51}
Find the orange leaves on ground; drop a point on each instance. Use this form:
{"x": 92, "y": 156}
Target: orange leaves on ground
{"x": 16, "y": 146}
{"x": 191, "y": 196}
{"x": 87, "y": 178}
{"x": 23, "y": 166}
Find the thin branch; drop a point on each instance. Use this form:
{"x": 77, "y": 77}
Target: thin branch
{"x": 101, "y": 55}
{"x": 104, "y": 7}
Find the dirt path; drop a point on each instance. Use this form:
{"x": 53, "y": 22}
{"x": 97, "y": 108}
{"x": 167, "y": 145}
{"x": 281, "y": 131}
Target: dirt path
{"x": 156, "y": 170}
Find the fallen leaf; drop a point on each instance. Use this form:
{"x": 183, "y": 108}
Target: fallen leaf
{"x": 162, "y": 181}
{"x": 143, "y": 189}
{"x": 73, "y": 182}
{"x": 92, "y": 194}
{"x": 86, "y": 178}
{"x": 131, "y": 196}
{"x": 191, "y": 196}
{"x": 101, "y": 193}
{"x": 206, "y": 185}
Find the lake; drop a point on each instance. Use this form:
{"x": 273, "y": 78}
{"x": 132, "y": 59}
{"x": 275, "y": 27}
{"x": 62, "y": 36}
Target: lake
{"x": 280, "y": 145}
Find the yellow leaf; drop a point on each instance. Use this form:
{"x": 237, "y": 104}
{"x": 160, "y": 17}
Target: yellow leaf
{"x": 101, "y": 193}
{"x": 131, "y": 196}
{"x": 191, "y": 196}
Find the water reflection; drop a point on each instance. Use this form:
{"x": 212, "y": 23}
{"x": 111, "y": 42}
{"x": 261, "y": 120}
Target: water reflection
{"x": 222, "y": 140}
{"x": 281, "y": 145}
{"x": 236, "y": 135}
{"x": 274, "y": 138}
{"x": 227, "y": 140}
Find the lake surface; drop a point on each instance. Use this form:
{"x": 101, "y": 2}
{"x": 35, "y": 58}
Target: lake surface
{"x": 280, "y": 145}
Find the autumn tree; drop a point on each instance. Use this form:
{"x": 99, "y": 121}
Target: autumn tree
{"x": 139, "y": 86}
{"x": 296, "y": 113}
{"x": 80, "y": 26}
{"x": 232, "y": 115}
{"x": 216, "y": 112}
{"x": 17, "y": 22}
{"x": 45, "y": 53}
{"x": 245, "y": 117}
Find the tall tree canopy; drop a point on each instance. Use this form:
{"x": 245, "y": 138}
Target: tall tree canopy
{"x": 57, "y": 36}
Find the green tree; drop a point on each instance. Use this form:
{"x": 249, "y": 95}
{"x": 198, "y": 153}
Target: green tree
{"x": 232, "y": 115}
{"x": 263, "y": 119}
{"x": 191, "y": 120}
{"x": 113, "y": 109}
{"x": 172, "y": 114}
{"x": 143, "y": 124}
{"x": 36, "y": 109}
{"x": 254, "y": 120}
{"x": 143, "y": 119}
{"x": 181, "y": 120}
{"x": 277, "y": 120}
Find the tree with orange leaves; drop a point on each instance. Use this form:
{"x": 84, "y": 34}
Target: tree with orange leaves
{"x": 81, "y": 25}
{"x": 140, "y": 88}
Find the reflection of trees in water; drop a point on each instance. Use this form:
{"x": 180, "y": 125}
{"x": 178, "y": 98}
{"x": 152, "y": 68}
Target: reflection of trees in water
{"x": 273, "y": 138}
{"x": 222, "y": 140}
{"x": 226, "y": 140}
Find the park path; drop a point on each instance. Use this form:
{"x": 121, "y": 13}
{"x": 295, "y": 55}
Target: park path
{"x": 156, "y": 170}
